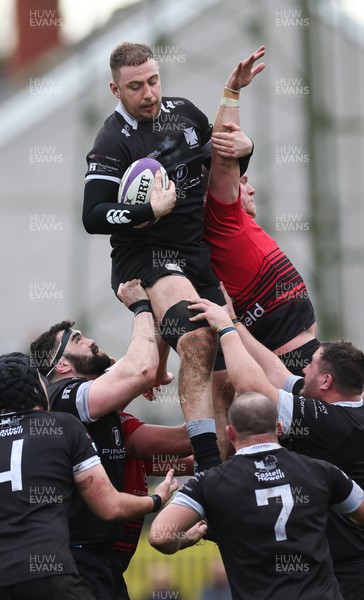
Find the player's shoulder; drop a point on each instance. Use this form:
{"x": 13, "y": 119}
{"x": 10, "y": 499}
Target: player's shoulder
{"x": 178, "y": 103}
{"x": 63, "y": 388}
{"x": 112, "y": 121}
{"x": 174, "y": 101}
{"x": 109, "y": 132}
{"x": 60, "y": 418}
{"x": 54, "y": 424}
{"x": 67, "y": 382}
{"x": 310, "y": 466}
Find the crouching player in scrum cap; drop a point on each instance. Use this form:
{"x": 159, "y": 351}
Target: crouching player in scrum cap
{"x": 42, "y": 456}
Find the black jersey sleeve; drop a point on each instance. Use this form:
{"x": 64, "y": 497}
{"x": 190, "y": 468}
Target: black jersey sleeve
{"x": 346, "y": 495}
{"x": 71, "y": 396}
{"x": 101, "y": 212}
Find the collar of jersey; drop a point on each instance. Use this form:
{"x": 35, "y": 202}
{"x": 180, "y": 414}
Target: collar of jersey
{"x": 130, "y": 120}
{"x": 351, "y": 404}
{"x": 255, "y": 448}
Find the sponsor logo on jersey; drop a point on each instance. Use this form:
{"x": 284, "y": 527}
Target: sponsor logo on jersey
{"x": 67, "y": 390}
{"x": 118, "y": 216}
{"x": 10, "y": 426}
{"x": 180, "y": 173}
{"x": 154, "y": 154}
{"x": 113, "y": 453}
{"x": 191, "y": 137}
{"x": 251, "y": 316}
{"x": 267, "y": 469}
{"x": 117, "y": 436}
{"x": 173, "y": 267}
{"x": 102, "y": 167}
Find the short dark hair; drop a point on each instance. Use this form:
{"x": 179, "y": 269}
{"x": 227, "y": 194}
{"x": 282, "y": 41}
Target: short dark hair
{"x": 345, "y": 363}
{"x": 253, "y": 413}
{"x": 129, "y": 54}
{"x": 43, "y": 348}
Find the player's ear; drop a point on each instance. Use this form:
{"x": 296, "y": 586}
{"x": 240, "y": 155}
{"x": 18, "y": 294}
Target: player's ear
{"x": 327, "y": 381}
{"x": 279, "y": 429}
{"x": 63, "y": 366}
{"x": 230, "y": 433}
{"x": 114, "y": 88}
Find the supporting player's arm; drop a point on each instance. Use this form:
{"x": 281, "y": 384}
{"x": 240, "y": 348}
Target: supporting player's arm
{"x": 109, "y": 504}
{"x": 148, "y": 441}
{"x": 185, "y": 524}
{"x": 273, "y": 367}
{"x": 136, "y": 371}
{"x": 245, "y": 374}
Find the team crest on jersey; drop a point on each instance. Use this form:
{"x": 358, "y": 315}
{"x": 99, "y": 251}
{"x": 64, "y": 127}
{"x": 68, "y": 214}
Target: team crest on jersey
{"x": 267, "y": 469}
{"x": 126, "y": 130}
{"x": 268, "y": 464}
{"x": 191, "y": 137}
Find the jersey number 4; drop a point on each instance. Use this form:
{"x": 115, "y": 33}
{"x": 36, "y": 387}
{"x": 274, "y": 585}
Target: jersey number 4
{"x": 14, "y": 475}
{"x": 280, "y": 491}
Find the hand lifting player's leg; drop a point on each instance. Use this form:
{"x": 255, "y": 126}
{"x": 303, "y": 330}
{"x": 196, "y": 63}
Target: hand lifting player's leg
{"x": 163, "y": 377}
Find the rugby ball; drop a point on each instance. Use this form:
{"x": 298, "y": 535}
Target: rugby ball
{"x": 137, "y": 184}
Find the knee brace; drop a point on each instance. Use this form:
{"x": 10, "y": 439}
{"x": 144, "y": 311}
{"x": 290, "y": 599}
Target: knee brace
{"x": 176, "y": 323}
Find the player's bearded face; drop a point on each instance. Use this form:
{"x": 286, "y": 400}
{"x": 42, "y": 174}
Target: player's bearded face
{"x": 139, "y": 90}
{"x": 310, "y": 388}
{"x": 313, "y": 377}
{"x": 93, "y": 364}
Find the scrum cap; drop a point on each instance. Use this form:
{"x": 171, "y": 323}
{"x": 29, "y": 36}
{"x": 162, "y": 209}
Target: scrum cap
{"x": 20, "y": 387}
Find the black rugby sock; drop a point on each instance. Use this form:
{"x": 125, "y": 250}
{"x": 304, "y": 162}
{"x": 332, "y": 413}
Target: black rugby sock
{"x": 206, "y": 451}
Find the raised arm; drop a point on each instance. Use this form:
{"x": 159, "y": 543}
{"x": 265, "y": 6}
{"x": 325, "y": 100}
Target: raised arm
{"x": 225, "y": 167}
{"x": 136, "y": 371}
{"x": 273, "y": 367}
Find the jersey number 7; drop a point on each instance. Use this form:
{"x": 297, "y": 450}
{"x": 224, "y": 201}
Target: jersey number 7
{"x": 280, "y": 491}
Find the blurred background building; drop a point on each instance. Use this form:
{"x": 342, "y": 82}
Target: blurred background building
{"x": 305, "y": 114}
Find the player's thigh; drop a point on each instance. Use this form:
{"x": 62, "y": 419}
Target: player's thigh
{"x": 168, "y": 291}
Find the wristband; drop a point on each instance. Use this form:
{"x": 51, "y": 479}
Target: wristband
{"x": 157, "y": 502}
{"x": 235, "y": 320}
{"x": 231, "y": 90}
{"x": 140, "y": 306}
{"x": 226, "y": 330}
{"x": 229, "y": 102}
